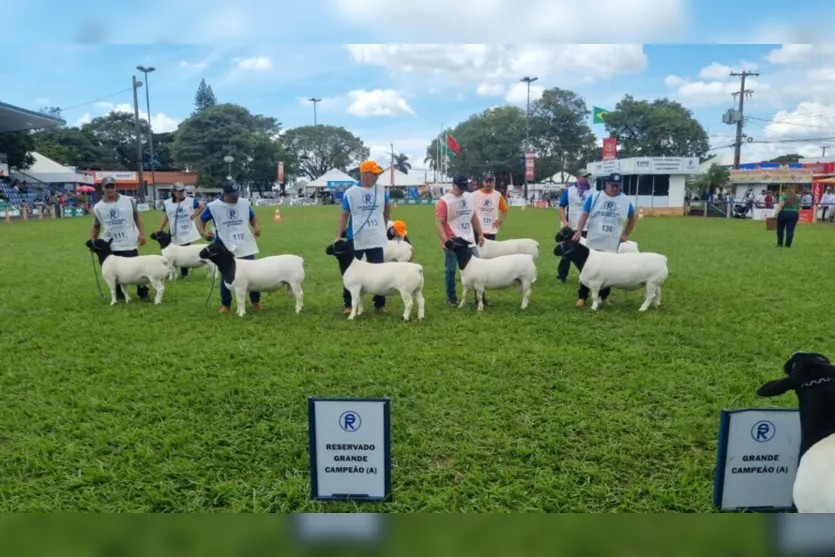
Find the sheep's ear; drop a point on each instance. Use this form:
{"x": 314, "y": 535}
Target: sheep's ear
{"x": 776, "y": 387}
{"x": 89, "y": 244}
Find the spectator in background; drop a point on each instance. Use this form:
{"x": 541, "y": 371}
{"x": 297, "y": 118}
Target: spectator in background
{"x": 570, "y": 208}
{"x": 787, "y": 217}
{"x": 759, "y": 200}
{"x": 472, "y": 186}
{"x": 828, "y": 204}
{"x": 490, "y": 207}
{"x": 769, "y": 200}
{"x": 807, "y": 200}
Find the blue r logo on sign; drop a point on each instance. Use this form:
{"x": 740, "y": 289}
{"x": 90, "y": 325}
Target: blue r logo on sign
{"x": 763, "y": 431}
{"x": 350, "y": 421}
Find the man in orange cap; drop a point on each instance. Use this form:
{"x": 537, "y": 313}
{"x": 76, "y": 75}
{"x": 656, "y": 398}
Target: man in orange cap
{"x": 365, "y": 212}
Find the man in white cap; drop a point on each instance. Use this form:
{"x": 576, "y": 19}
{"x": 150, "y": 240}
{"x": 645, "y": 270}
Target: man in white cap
{"x": 119, "y": 215}
{"x": 570, "y": 207}
{"x": 179, "y": 212}
{"x": 610, "y": 217}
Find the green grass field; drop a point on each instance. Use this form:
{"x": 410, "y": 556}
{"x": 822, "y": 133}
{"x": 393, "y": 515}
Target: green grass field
{"x": 179, "y": 408}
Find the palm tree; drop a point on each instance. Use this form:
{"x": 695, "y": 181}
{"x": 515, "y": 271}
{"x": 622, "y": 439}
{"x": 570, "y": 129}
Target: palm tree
{"x": 715, "y": 178}
{"x": 401, "y": 163}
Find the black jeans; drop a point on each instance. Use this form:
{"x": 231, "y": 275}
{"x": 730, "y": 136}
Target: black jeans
{"x": 565, "y": 265}
{"x": 786, "y": 221}
{"x": 141, "y": 291}
{"x": 372, "y": 255}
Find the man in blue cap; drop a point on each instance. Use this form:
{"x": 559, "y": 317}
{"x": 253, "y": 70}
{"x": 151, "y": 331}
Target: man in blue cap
{"x": 611, "y": 218}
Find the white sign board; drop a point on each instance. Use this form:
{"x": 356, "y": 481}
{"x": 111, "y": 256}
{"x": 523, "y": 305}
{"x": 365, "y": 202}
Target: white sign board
{"x": 142, "y": 207}
{"x": 757, "y": 459}
{"x": 350, "y": 448}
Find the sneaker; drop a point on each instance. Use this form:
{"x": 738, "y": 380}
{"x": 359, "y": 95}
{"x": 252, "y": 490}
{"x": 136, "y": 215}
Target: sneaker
{"x": 257, "y": 306}
{"x": 347, "y": 311}
{"x": 581, "y": 303}
{"x": 383, "y": 309}
{"x": 224, "y": 309}
{"x": 561, "y": 280}
{"x": 452, "y": 303}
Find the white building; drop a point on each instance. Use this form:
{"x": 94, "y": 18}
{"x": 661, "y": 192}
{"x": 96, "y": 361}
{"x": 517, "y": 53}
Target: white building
{"x": 655, "y": 184}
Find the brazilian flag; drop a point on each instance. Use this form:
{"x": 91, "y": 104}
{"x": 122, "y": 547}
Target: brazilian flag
{"x": 599, "y": 115}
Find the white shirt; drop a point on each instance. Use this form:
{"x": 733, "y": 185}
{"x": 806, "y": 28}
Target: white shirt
{"x": 367, "y": 206}
{"x": 232, "y": 226}
{"x": 460, "y": 215}
{"x": 183, "y": 229}
{"x": 117, "y": 218}
{"x": 606, "y": 221}
{"x": 487, "y": 209}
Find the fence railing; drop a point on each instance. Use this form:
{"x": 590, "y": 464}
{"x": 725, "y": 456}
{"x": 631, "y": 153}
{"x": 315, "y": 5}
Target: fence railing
{"x": 816, "y": 212}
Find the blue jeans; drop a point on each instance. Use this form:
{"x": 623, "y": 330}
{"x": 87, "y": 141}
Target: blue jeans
{"x": 372, "y": 255}
{"x": 226, "y": 294}
{"x": 450, "y": 265}
{"x": 786, "y": 223}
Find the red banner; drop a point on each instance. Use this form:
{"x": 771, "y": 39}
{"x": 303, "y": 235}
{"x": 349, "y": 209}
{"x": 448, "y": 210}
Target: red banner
{"x": 281, "y": 173}
{"x": 817, "y": 191}
{"x": 610, "y": 148}
{"x": 530, "y": 157}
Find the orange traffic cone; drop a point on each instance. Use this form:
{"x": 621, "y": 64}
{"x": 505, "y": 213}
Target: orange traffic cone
{"x": 277, "y": 217}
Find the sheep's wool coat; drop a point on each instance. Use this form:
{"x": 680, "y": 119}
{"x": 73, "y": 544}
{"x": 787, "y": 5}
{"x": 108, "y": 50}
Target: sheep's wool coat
{"x": 183, "y": 229}
{"x": 606, "y": 221}
{"x": 118, "y": 221}
{"x": 232, "y": 226}
{"x": 367, "y": 223}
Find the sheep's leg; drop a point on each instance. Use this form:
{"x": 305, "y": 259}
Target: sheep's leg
{"x": 650, "y": 295}
{"x": 159, "y": 289}
{"x": 240, "y": 301}
{"x": 408, "y": 304}
{"x": 595, "y": 296}
{"x": 356, "y": 303}
{"x": 172, "y": 275}
{"x": 111, "y": 284}
{"x": 463, "y": 297}
{"x": 658, "y": 296}
{"x": 421, "y": 304}
{"x": 479, "y": 294}
{"x": 299, "y": 294}
{"x": 125, "y": 292}
{"x": 526, "y": 293}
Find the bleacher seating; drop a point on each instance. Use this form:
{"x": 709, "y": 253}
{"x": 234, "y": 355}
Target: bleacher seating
{"x": 17, "y": 198}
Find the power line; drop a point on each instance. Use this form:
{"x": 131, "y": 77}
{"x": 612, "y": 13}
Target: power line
{"x": 96, "y": 100}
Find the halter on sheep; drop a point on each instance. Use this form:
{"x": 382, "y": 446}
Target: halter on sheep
{"x": 812, "y": 377}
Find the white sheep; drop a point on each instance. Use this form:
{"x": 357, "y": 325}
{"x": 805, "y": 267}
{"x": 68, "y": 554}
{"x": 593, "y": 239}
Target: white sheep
{"x": 182, "y": 256}
{"x": 395, "y": 250}
{"x": 497, "y": 248}
{"x": 360, "y": 277}
{"x": 518, "y": 269}
{"x": 567, "y": 232}
{"x": 268, "y": 274}
{"x": 812, "y": 377}
{"x": 627, "y": 271}
{"x": 126, "y": 271}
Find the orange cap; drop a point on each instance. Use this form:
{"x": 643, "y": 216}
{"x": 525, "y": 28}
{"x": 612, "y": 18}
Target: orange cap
{"x": 371, "y": 166}
{"x": 400, "y": 227}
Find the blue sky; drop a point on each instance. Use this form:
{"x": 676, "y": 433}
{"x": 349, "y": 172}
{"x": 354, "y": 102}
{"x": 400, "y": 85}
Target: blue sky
{"x": 403, "y": 93}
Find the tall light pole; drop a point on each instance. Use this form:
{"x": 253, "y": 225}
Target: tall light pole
{"x": 229, "y": 159}
{"x": 528, "y": 80}
{"x": 314, "y": 100}
{"x": 136, "y": 85}
{"x": 146, "y": 71}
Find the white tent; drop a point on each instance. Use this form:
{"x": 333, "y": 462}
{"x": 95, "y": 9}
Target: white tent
{"x": 336, "y": 176}
{"x": 47, "y": 171}
{"x": 400, "y": 179}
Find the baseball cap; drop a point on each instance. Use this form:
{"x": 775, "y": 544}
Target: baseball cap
{"x": 461, "y": 180}
{"x": 230, "y": 187}
{"x": 108, "y": 181}
{"x": 583, "y": 172}
{"x": 179, "y": 186}
{"x": 371, "y": 166}
{"x": 399, "y": 227}
{"x": 614, "y": 178}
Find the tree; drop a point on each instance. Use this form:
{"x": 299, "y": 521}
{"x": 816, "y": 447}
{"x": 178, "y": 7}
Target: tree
{"x": 72, "y": 147}
{"x": 204, "y": 98}
{"x": 17, "y": 146}
{"x": 492, "y": 140}
{"x": 661, "y": 128}
{"x": 115, "y": 134}
{"x": 162, "y": 153}
{"x": 716, "y": 177}
{"x": 321, "y": 148}
{"x": 53, "y": 111}
{"x": 401, "y": 163}
{"x": 560, "y": 133}
{"x": 262, "y": 171}
{"x": 206, "y": 137}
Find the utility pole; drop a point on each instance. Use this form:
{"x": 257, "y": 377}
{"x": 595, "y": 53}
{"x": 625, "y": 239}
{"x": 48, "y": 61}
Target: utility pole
{"x": 824, "y": 148}
{"x": 137, "y": 85}
{"x": 743, "y": 92}
{"x": 314, "y": 100}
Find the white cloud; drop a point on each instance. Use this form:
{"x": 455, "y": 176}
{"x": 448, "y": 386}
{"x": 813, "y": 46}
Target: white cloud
{"x": 806, "y": 120}
{"x": 160, "y": 123}
{"x": 193, "y": 65}
{"x": 414, "y": 147}
{"x": 41, "y": 101}
{"x": 720, "y": 71}
{"x": 477, "y": 63}
{"x": 533, "y": 21}
{"x": 85, "y": 119}
{"x": 717, "y": 85}
{"x": 379, "y": 102}
{"x": 518, "y": 93}
{"x": 797, "y": 53}
{"x": 487, "y": 89}
{"x": 253, "y": 63}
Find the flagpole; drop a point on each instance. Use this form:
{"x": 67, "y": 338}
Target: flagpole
{"x": 392, "y": 165}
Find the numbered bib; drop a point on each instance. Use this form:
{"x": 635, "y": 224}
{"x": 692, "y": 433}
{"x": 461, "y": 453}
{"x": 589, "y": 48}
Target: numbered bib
{"x": 607, "y": 229}
{"x": 487, "y": 221}
{"x": 238, "y": 236}
{"x": 465, "y": 225}
{"x": 119, "y": 235}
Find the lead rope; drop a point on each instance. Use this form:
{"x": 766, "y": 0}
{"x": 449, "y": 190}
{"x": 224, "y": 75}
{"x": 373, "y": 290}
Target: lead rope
{"x": 96, "y": 274}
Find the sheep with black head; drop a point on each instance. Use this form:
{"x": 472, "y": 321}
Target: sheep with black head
{"x": 812, "y": 377}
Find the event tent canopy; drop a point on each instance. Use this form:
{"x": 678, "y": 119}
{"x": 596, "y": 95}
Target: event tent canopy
{"x": 335, "y": 177}
{"x": 47, "y": 171}
{"x": 400, "y": 179}
{"x": 13, "y": 118}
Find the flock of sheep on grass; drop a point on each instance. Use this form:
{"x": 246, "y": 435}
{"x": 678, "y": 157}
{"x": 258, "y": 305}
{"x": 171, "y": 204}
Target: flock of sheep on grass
{"x": 499, "y": 265}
